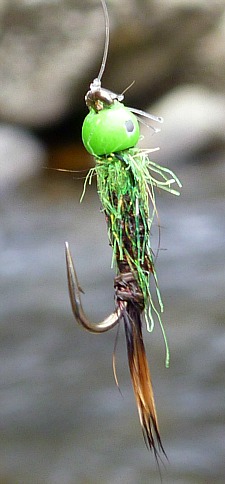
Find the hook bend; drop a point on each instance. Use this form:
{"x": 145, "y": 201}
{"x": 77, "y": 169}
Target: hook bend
{"x": 74, "y": 292}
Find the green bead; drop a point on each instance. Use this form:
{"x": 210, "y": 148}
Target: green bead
{"x": 114, "y": 128}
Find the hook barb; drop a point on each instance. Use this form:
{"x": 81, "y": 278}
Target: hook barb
{"x": 74, "y": 292}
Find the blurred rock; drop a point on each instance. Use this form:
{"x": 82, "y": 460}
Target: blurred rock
{"x": 21, "y": 156}
{"x": 210, "y": 58}
{"x": 50, "y": 51}
{"x": 43, "y": 58}
{"x": 194, "y": 120}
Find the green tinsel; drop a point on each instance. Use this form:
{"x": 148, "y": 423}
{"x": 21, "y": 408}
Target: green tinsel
{"x": 126, "y": 183}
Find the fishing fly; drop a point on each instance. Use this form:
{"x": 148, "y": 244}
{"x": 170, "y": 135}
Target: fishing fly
{"x": 126, "y": 183}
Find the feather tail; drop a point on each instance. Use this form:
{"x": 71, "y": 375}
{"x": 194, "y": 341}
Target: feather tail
{"x": 141, "y": 379}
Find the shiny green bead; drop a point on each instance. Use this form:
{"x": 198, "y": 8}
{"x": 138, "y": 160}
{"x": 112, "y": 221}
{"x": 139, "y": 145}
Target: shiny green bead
{"x": 112, "y": 129}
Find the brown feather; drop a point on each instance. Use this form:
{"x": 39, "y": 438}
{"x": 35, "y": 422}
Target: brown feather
{"x": 141, "y": 379}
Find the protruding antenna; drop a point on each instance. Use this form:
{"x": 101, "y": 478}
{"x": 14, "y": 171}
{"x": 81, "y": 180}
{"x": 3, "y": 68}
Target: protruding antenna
{"x": 128, "y": 87}
{"x": 146, "y": 115}
{"x": 106, "y": 47}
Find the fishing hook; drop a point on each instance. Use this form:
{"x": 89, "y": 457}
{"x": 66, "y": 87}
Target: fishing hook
{"x": 74, "y": 292}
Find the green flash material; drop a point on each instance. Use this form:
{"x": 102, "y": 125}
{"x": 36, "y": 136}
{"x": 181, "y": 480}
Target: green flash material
{"x": 109, "y": 130}
{"x": 126, "y": 183}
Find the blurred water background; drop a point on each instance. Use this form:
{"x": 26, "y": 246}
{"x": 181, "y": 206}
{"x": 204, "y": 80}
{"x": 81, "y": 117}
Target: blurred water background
{"x": 62, "y": 419}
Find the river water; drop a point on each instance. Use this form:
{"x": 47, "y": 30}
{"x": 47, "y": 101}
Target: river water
{"x": 63, "y": 421}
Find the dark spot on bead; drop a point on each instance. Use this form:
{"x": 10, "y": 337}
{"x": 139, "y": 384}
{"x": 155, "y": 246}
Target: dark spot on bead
{"x": 129, "y": 126}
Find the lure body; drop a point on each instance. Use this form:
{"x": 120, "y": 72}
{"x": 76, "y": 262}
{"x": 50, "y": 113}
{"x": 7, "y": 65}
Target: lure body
{"x": 126, "y": 182}
{"x": 110, "y": 133}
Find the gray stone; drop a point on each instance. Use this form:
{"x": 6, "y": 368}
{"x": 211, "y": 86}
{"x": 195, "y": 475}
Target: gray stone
{"x": 50, "y": 50}
{"x": 194, "y": 117}
{"x": 21, "y": 156}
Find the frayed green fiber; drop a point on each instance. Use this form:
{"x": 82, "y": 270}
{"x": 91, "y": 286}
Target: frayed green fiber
{"x": 126, "y": 183}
